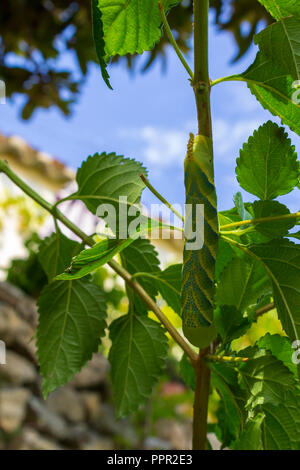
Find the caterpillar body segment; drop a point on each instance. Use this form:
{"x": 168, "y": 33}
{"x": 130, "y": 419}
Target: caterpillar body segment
{"x": 198, "y": 277}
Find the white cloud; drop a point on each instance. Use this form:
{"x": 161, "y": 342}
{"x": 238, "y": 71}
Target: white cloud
{"x": 229, "y": 137}
{"x": 160, "y": 146}
{"x": 165, "y": 147}
{"x": 243, "y": 100}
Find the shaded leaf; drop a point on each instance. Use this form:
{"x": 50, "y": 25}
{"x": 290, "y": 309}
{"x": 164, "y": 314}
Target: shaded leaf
{"x": 280, "y": 347}
{"x": 56, "y": 252}
{"x": 281, "y": 8}
{"x": 251, "y": 279}
{"x": 272, "y": 229}
{"x": 266, "y": 379}
{"x": 231, "y": 412}
{"x": 281, "y": 43}
{"x": 280, "y": 429}
{"x": 281, "y": 259}
{"x": 295, "y": 235}
{"x": 169, "y": 286}
{"x": 231, "y": 323}
{"x": 141, "y": 257}
{"x": 99, "y": 40}
{"x": 71, "y": 322}
{"x": 224, "y": 256}
{"x": 187, "y": 372}
{"x": 251, "y": 438}
{"x": 137, "y": 357}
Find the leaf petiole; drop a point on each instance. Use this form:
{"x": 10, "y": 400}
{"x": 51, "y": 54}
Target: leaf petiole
{"x": 173, "y": 42}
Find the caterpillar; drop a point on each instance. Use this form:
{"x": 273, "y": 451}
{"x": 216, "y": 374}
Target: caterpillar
{"x": 198, "y": 274}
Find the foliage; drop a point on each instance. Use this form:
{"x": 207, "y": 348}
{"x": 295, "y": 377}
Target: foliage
{"x": 60, "y": 26}
{"x": 27, "y": 273}
{"x": 246, "y": 266}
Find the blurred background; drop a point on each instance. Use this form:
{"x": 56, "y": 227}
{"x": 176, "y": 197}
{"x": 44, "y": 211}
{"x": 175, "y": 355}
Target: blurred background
{"x": 57, "y": 112}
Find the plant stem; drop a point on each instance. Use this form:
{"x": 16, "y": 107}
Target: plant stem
{"x": 201, "y": 82}
{"x": 235, "y": 78}
{"x": 201, "y": 397}
{"x": 172, "y": 40}
{"x": 160, "y": 197}
{"x": 260, "y": 220}
{"x": 267, "y": 308}
{"x": 113, "y": 264}
{"x": 238, "y": 233}
{"x": 230, "y": 359}
{"x": 155, "y": 309}
{"x": 201, "y": 86}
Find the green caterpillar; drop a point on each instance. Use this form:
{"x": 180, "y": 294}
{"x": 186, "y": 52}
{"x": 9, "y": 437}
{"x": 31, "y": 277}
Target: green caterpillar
{"x": 198, "y": 284}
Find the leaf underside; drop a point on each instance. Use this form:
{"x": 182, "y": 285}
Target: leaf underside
{"x": 137, "y": 357}
{"x": 71, "y": 322}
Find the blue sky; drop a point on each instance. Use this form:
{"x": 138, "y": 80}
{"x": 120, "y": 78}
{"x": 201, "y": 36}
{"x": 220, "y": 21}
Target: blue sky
{"x": 149, "y": 117}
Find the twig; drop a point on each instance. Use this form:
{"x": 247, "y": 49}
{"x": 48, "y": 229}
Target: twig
{"x": 173, "y": 42}
{"x": 267, "y": 308}
{"x": 261, "y": 220}
{"x": 113, "y": 264}
{"x": 160, "y": 197}
{"x": 219, "y": 358}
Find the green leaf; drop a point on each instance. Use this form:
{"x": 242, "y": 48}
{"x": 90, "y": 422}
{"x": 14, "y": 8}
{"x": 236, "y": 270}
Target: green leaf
{"x": 228, "y": 413}
{"x": 187, "y": 372}
{"x": 71, "y": 322}
{"x": 281, "y": 8}
{"x": 168, "y": 283}
{"x": 266, "y": 379}
{"x": 281, "y": 348}
{"x": 231, "y": 323}
{"x": 103, "y": 179}
{"x": 280, "y": 429}
{"x": 224, "y": 256}
{"x": 56, "y": 252}
{"x": 137, "y": 357}
{"x": 131, "y": 26}
{"x": 240, "y": 206}
{"x": 231, "y": 413}
{"x": 251, "y": 279}
{"x": 229, "y": 216}
{"x": 99, "y": 40}
{"x": 280, "y": 42}
{"x": 275, "y": 427}
{"x": 281, "y": 259}
{"x": 268, "y": 166}
{"x": 295, "y": 235}
{"x": 141, "y": 257}
{"x": 251, "y": 437}
{"x": 93, "y": 258}
{"x": 272, "y": 229}
{"x": 274, "y": 89}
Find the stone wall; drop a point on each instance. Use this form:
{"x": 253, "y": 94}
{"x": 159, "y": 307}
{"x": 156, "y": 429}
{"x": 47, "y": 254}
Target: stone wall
{"x": 78, "y": 416}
